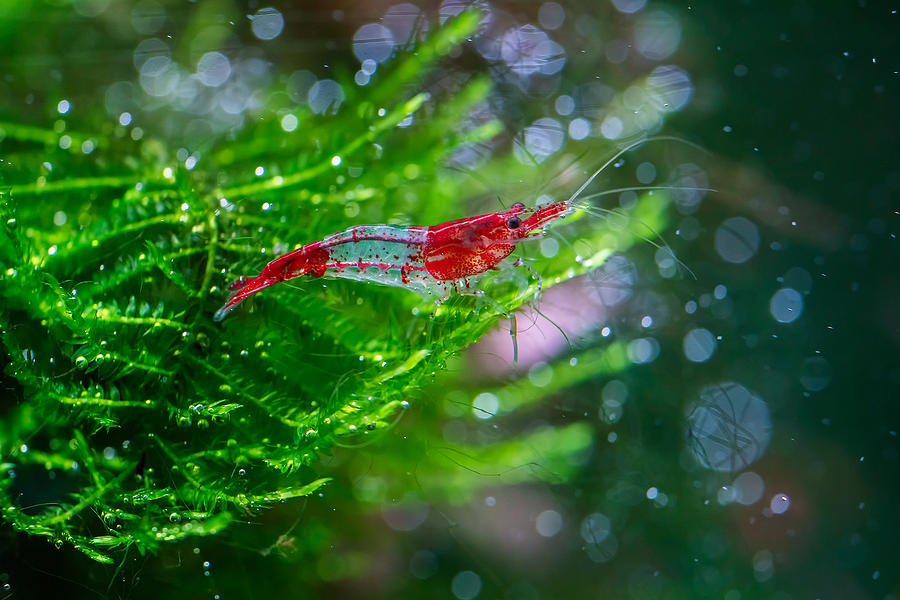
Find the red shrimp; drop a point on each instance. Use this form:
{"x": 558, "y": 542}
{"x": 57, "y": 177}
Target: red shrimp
{"x": 436, "y": 260}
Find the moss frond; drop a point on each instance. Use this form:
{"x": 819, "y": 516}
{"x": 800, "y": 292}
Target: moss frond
{"x": 158, "y": 424}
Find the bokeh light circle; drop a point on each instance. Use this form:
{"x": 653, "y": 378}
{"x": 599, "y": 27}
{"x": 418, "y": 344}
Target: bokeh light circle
{"x": 551, "y": 15}
{"x": 657, "y": 35}
{"x": 548, "y": 523}
{"x": 325, "y": 96}
{"x": 669, "y": 88}
{"x": 699, "y": 345}
{"x": 541, "y": 139}
{"x": 629, "y": 6}
{"x": 786, "y": 305}
{"x": 466, "y": 585}
{"x": 728, "y": 427}
{"x": 737, "y": 240}
{"x": 403, "y": 19}
{"x": 373, "y": 41}
{"x": 780, "y": 503}
{"x": 748, "y": 488}
{"x": 595, "y": 528}
{"x": 267, "y": 23}
{"x": 213, "y": 69}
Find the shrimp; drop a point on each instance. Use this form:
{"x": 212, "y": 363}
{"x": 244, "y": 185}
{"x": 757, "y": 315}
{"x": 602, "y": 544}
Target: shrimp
{"x": 431, "y": 261}
{"x": 436, "y": 260}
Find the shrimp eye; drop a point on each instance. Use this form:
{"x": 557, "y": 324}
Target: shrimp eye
{"x": 518, "y": 206}
{"x": 514, "y": 222}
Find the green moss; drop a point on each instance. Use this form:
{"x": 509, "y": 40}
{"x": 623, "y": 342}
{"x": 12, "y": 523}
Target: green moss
{"x": 155, "y": 423}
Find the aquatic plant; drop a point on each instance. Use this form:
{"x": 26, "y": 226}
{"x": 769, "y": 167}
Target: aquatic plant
{"x": 131, "y": 419}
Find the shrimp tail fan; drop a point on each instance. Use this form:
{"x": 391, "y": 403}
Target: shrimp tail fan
{"x": 308, "y": 260}
{"x": 243, "y": 288}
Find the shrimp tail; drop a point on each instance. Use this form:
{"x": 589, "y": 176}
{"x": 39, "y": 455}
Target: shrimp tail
{"x": 242, "y": 289}
{"x": 309, "y": 260}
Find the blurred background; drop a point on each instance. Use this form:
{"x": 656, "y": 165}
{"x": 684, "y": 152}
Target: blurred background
{"x": 742, "y": 443}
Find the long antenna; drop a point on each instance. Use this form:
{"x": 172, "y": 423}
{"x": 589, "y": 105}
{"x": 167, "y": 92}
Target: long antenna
{"x": 630, "y": 146}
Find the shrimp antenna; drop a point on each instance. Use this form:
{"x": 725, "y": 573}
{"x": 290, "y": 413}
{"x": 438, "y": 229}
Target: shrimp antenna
{"x": 547, "y": 184}
{"x": 661, "y": 244}
{"x": 642, "y": 188}
{"x": 627, "y": 148}
{"x": 536, "y": 162}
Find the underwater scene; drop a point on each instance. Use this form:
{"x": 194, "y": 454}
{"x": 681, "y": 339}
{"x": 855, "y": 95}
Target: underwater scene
{"x": 461, "y": 299}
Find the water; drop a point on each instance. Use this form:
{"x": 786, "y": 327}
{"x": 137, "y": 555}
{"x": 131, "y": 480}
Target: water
{"x": 730, "y": 435}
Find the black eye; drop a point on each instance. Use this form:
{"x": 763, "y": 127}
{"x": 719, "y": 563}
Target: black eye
{"x": 514, "y": 222}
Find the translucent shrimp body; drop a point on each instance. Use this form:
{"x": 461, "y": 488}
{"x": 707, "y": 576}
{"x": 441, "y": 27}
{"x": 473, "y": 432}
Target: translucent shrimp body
{"x": 435, "y": 260}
